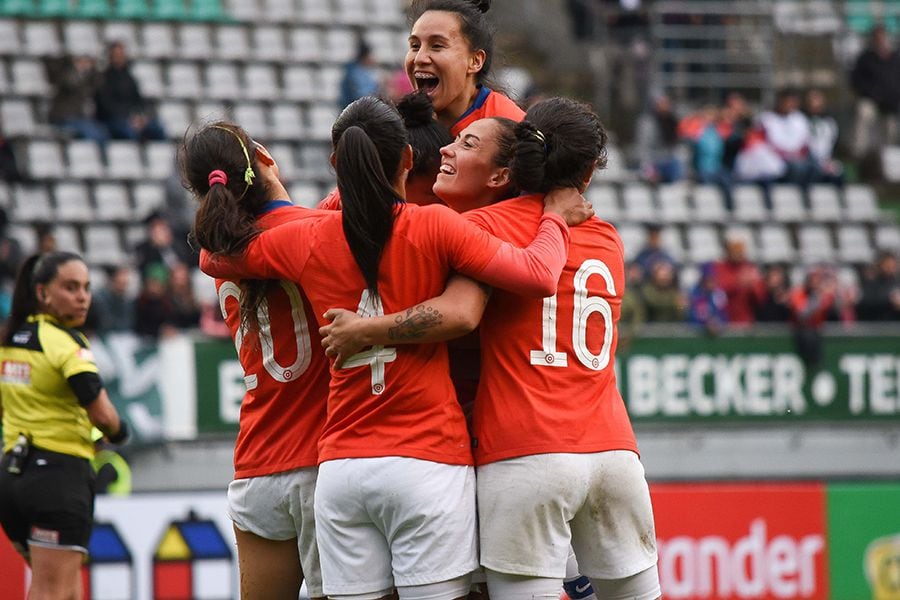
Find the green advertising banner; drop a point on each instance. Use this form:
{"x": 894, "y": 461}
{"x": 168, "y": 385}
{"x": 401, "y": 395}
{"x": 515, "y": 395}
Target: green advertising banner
{"x": 759, "y": 377}
{"x": 864, "y": 541}
{"x": 220, "y": 386}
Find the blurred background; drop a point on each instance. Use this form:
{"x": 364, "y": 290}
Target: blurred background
{"x": 754, "y": 176}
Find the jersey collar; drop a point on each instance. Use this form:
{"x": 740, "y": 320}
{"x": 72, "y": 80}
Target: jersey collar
{"x": 43, "y": 317}
{"x": 483, "y": 93}
{"x": 272, "y": 205}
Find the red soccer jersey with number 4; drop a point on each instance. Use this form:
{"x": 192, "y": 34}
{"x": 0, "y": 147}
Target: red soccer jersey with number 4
{"x": 548, "y": 382}
{"x": 285, "y": 370}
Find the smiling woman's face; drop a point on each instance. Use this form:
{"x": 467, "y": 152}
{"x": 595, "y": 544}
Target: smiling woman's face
{"x": 441, "y": 62}
{"x": 469, "y": 176}
{"x": 68, "y": 295}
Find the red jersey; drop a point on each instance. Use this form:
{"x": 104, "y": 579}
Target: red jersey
{"x": 285, "y": 371}
{"x": 548, "y": 382}
{"x": 396, "y": 401}
{"x": 488, "y": 103}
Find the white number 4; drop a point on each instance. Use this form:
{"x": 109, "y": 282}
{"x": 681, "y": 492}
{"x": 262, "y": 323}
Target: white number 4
{"x": 377, "y": 356}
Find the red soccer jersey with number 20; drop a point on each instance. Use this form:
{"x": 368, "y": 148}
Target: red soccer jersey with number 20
{"x": 398, "y": 401}
{"x": 548, "y": 382}
{"x": 285, "y": 371}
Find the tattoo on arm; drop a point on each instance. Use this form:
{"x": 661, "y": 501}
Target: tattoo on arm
{"x": 414, "y": 324}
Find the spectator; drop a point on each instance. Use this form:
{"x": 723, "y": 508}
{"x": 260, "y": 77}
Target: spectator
{"x": 9, "y": 169}
{"x": 359, "y": 76}
{"x": 114, "y": 304}
{"x": 740, "y": 280}
{"x": 153, "y": 307}
{"x": 813, "y": 303}
{"x": 702, "y": 130}
{"x": 185, "y": 307}
{"x": 787, "y": 132}
{"x": 74, "y": 81}
{"x": 823, "y": 138}
{"x": 10, "y": 260}
{"x": 632, "y": 314}
{"x": 735, "y": 124}
{"x": 876, "y": 80}
{"x": 662, "y": 298}
{"x": 880, "y": 300}
{"x": 775, "y": 302}
{"x": 653, "y": 251}
{"x": 161, "y": 247}
{"x": 656, "y": 143}
{"x": 45, "y": 236}
{"x": 708, "y": 302}
{"x": 120, "y": 105}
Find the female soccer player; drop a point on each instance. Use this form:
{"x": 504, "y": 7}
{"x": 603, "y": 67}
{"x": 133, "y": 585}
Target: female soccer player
{"x": 395, "y": 494}
{"x": 270, "y": 500}
{"x": 578, "y": 443}
{"x": 451, "y": 49}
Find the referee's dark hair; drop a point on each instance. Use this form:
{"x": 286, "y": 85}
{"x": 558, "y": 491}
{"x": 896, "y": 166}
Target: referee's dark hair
{"x": 559, "y": 141}
{"x": 368, "y": 139}
{"x": 473, "y": 24}
{"x": 36, "y": 269}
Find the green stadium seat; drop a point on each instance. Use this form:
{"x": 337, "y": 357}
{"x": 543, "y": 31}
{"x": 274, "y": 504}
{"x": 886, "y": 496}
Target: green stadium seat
{"x": 132, "y": 9}
{"x": 208, "y": 10}
{"x": 169, "y": 9}
{"x": 23, "y": 8}
{"x": 94, "y": 9}
{"x": 55, "y": 8}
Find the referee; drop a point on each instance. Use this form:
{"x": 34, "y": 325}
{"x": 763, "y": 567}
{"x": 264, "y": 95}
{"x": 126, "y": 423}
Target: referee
{"x": 50, "y": 395}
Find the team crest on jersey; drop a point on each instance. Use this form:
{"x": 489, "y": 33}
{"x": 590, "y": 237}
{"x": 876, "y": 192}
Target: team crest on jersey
{"x": 16, "y": 372}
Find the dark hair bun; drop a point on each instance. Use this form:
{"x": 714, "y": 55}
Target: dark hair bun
{"x": 482, "y": 5}
{"x": 416, "y": 110}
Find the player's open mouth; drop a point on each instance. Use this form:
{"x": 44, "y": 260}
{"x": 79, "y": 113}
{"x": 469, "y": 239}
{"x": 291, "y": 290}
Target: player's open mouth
{"x": 426, "y": 82}
{"x": 447, "y": 170}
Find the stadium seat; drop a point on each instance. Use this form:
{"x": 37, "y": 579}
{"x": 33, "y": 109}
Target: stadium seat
{"x": 26, "y": 236}
{"x": 147, "y": 198}
{"x": 305, "y": 193}
{"x": 673, "y": 242}
{"x": 616, "y": 169}
{"x": 73, "y": 202}
{"x": 787, "y": 203}
{"x": 184, "y": 80}
{"x": 887, "y": 237}
{"x": 287, "y": 122}
{"x": 242, "y": 10}
{"x": 854, "y": 245}
{"x": 160, "y": 160}
{"x": 299, "y": 84}
{"x": 306, "y": 45}
{"x": 54, "y": 8}
{"x": 261, "y": 83}
{"x": 688, "y": 278}
{"x": 125, "y": 32}
{"x": 195, "y": 42}
{"x": 284, "y": 155}
{"x": 123, "y": 160}
{"x": 252, "y": 117}
{"x": 385, "y": 12}
{"x": 749, "y": 205}
{"x": 352, "y": 12}
{"x": 132, "y": 9}
{"x": 231, "y": 42}
{"x": 268, "y": 43}
{"x": 93, "y": 9}
{"x": 158, "y": 40}
{"x": 605, "y": 200}
{"x": 328, "y": 83}
{"x": 814, "y": 244}
{"x": 82, "y": 38}
{"x": 386, "y": 45}
{"x": 41, "y": 38}
{"x": 825, "y": 203}
{"x": 315, "y": 161}
{"x": 5, "y": 194}
{"x": 207, "y": 112}
{"x": 44, "y": 160}
{"x": 316, "y": 12}
{"x": 5, "y": 85}
{"x": 703, "y": 244}
{"x": 339, "y": 45}
{"x": 85, "y": 160}
{"x": 102, "y": 245}
{"x": 175, "y": 117}
{"x": 633, "y": 238}
{"x": 9, "y": 38}
{"x": 673, "y": 202}
{"x": 320, "y": 118}
{"x": 709, "y": 205}
{"x": 112, "y": 202}
{"x": 17, "y": 118}
{"x": 29, "y": 78}
{"x": 222, "y": 82}
{"x": 134, "y": 235}
{"x": 148, "y": 74}
{"x": 278, "y": 11}
{"x": 67, "y": 238}
{"x": 637, "y": 203}
{"x": 775, "y": 244}
{"x": 860, "y": 203}
{"x": 207, "y": 10}
{"x": 169, "y": 9}
{"x": 31, "y": 204}
{"x": 890, "y": 163}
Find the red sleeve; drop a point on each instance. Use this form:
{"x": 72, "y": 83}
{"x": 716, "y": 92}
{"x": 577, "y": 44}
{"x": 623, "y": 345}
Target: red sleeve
{"x": 277, "y": 253}
{"x": 331, "y": 202}
{"x": 530, "y": 271}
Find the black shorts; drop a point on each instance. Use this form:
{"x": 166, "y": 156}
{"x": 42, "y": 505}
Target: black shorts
{"x": 50, "y": 504}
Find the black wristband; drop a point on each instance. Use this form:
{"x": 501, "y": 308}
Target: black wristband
{"x": 121, "y": 435}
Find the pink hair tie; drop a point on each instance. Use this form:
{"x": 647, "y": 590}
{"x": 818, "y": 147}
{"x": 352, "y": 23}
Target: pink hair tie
{"x": 217, "y": 176}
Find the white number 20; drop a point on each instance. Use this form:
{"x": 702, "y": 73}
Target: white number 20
{"x": 584, "y": 307}
{"x": 279, "y": 373}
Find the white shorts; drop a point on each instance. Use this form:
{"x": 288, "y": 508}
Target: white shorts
{"x": 280, "y": 507}
{"x": 394, "y": 521}
{"x": 532, "y": 507}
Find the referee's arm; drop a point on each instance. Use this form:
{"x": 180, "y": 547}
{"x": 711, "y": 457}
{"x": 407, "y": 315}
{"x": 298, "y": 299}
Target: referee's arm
{"x": 100, "y": 410}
